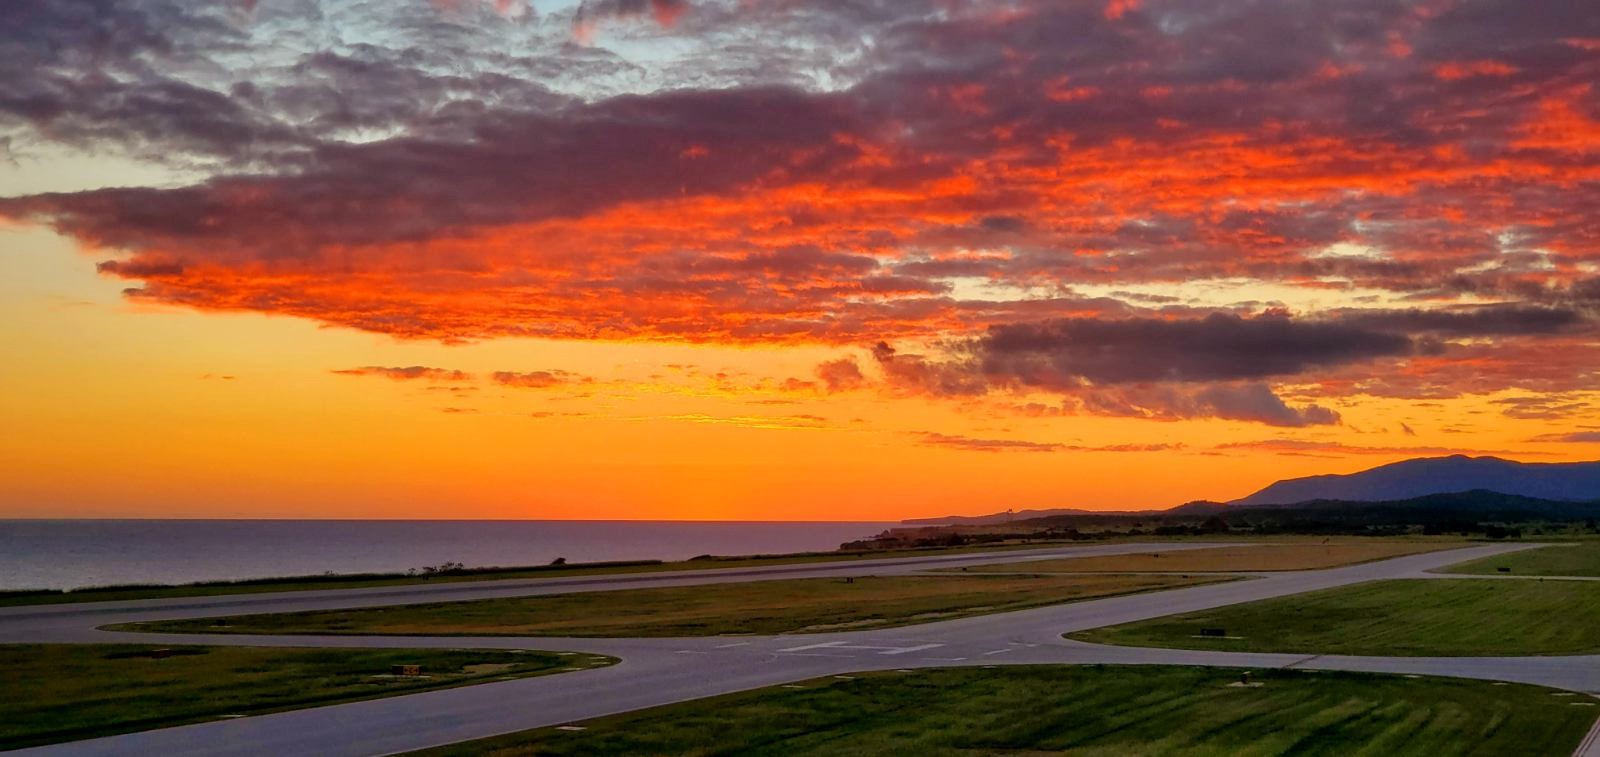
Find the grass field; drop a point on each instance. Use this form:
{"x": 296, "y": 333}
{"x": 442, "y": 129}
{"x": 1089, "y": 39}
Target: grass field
{"x": 1263, "y": 557}
{"x": 1578, "y": 559}
{"x": 1086, "y": 711}
{"x": 764, "y": 607}
{"x": 1421, "y": 617}
{"x": 62, "y": 692}
{"x": 311, "y": 583}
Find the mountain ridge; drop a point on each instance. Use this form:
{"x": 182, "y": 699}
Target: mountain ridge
{"x": 1420, "y": 477}
{"x": 1414, "y": 479}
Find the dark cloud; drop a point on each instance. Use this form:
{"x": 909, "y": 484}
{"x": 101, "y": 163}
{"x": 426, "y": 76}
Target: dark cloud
{"x": 518, "y": 167}
{"x": 539, "y": 379}
{"x": 952, "y": 175}
{"x": 408, "y": 373}
{"x": 1574, "y": 437}
{"x": 1070, "y": 353}
{"x": 1257, "y": 402}
{"x": 1307, "y": 446}
{"x": 1557, "y": 406}
{"x": 970, "y": 444}
{"x": 841, "y": 375}
{"x": 1483, "y": 320}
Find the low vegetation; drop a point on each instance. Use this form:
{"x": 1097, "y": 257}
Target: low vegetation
{"x": 1417, "y": 617}
{"x": 1476, "y": 513}
{"x": 1264, "y": 557}
{"x": 764, "y": 607}
{"x": 1578, "y": 559}
{"x": 454, "y": 572}
{"x": 65, "y": 692}
{"x": 1093, "y": 711}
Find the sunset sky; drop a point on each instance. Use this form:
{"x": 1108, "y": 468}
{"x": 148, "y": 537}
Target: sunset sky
{"x": 783, "y": 260}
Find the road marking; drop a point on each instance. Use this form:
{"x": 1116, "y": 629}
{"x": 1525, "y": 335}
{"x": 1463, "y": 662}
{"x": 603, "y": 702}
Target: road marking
{"x": 998, "y": 651}
{"x": 903, "y": 650}
{"x": 735, "y": 644}
{"x": 689, "y": 651}
{"x": 839, "y": 645}
{"x": 825, "y": 645}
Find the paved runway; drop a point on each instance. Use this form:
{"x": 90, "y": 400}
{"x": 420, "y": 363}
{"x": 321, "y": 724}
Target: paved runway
{"x": 657, "y": 671}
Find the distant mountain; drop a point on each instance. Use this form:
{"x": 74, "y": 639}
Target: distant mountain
{"x": 1409, "y": 483}
{"x": 1421, "y": 477}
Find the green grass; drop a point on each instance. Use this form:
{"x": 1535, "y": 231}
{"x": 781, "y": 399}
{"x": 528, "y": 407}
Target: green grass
{"x": 1415, "y": 617}
{"x": 764, "y": 607}
{"x": 1579, "y": 559}
{"x": 1092, "y": 711}
{"x": 361, "y": 581}
{"x": 1255, "y": 557}
{"x": 64, "y": 692}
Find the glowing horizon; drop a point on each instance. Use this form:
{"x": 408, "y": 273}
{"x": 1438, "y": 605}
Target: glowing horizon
{"x": 757, "y": 260}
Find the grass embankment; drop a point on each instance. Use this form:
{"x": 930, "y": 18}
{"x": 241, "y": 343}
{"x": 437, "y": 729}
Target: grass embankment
{"x": 1091, "y": 711}
{"x": 764, "y": 607}
{"x": 65, "y": 692}
{"x": 1265, "y": 557}
{"x": 1579, "y": 559}
{"x": 1415, "y": 617}
{"x": 368, "y": 580}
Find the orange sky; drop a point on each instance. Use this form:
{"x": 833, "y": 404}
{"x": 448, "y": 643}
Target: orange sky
{"x": 1009, "y": 255}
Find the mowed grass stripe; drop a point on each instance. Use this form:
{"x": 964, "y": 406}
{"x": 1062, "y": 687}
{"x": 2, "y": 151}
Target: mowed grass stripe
{"x": 1423, "y": 617}
{"x": 765, "y": 607}
{"x": 1580, "y": 559}
{"x": 63, "y": 692}
{"x": 1263, "y": 557}
{"x": 1093, "y": 711}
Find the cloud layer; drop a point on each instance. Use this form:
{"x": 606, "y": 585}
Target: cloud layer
{"x": 1119, "y": 203}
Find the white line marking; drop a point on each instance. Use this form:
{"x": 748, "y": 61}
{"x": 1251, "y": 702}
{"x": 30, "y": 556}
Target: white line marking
{"x": 839, "y": 645}
{"x": 827, "y": 645}
{"x": 903, "y": 650}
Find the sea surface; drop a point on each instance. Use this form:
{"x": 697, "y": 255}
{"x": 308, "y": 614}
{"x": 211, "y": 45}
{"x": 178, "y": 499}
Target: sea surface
{"x": 68, "y": 554}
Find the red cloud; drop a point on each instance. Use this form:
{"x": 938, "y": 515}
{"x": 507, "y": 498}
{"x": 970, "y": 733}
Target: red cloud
{"x": 972, "y": 173}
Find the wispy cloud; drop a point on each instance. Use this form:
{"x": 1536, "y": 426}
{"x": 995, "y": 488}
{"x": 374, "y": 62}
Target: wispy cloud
{"x": 408, "y": 373}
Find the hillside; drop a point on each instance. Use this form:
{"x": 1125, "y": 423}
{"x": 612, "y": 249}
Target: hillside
{"x": 1410, "y": 479}
{"x": 1477, "y": 503}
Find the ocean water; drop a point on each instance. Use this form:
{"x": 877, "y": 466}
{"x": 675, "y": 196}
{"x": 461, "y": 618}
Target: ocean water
{"x": 67, "y": 554}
